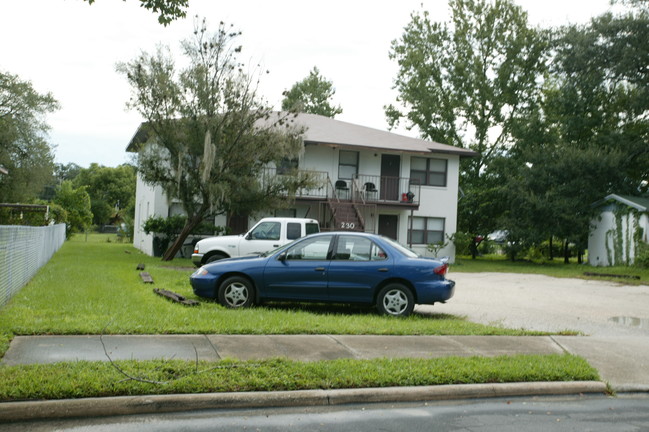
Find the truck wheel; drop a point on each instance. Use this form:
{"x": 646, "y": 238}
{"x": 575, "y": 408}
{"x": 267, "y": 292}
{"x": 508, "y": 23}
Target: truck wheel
{"x": 215, "y": 257}
{"x": 236, "y": 292}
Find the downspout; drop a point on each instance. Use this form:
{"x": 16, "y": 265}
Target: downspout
{"x": 412, "y": 212}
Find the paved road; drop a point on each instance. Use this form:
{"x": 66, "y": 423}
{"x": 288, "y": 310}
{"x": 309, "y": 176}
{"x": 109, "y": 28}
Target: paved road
{"x": 596, "y": 414}
{"x": 537, "y": 302}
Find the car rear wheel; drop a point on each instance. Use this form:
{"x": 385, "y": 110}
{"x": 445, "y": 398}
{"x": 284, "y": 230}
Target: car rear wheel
{"x": 396, "y": 300}
{"x": 236, "y": 292}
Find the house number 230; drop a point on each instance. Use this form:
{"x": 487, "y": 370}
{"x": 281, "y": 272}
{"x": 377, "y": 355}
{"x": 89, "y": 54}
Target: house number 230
{"x": 347, "y": 225}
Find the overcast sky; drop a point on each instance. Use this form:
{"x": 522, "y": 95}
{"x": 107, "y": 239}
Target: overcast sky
{"x": 70, "y": 49}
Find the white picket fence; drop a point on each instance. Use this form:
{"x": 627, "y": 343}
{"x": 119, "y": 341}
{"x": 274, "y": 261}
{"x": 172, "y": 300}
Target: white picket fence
{"x": 23, "y": 250}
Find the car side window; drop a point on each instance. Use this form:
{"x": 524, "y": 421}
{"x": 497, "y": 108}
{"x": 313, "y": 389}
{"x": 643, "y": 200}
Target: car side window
{"x": 311, "y": 228}
{"x": 310, "y": 249}
{"x": 378, "y": 254}
{"x": 352, "y": 248}
{"x": 266, "y": 231}
{"x": 293, "y": 230}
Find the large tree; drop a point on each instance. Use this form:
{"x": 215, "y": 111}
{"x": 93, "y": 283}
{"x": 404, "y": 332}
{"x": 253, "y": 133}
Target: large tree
{"x": 211, "y": 134}
{"x": 602, "y": 89}
{"x": 312, "y": 95}
{"x": 24, "y": 150}
{"x": 465, "y": 83}
{"x": 76, "y": 203}
{"x": 587, "y": 136}
{"x": 167, "y": 10}
{"x": 111, "y": 191}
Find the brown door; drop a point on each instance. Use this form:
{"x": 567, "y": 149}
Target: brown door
{"x": 238, "y": 224}
{"x": 390, "y": 170}
{"x": 388, "y": 225}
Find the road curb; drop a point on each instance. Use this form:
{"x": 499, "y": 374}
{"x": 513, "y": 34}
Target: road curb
{"x": 130, "y": 405}
{"x": 631, "y": 388}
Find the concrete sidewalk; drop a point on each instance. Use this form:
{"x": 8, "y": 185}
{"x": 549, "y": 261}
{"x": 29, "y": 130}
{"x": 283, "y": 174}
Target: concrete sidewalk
{"x": 623, "y": 362}
{"x": 50, "y": 349}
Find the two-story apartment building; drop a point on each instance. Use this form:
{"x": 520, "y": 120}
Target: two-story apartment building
{"x": 368, "y": 180}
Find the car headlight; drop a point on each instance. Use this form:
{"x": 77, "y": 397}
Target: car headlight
{"x": 200, "y": 272}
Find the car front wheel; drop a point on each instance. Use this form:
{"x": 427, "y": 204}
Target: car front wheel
{"x": 395, "y": 300}
{"x": 236, "y": 292}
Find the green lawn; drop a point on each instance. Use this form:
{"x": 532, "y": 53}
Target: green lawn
{"x": 98, "y": 379}
{"x": 92, "y": 286}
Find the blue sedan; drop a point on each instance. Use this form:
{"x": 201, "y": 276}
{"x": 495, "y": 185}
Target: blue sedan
{"x": 336, "y": 267}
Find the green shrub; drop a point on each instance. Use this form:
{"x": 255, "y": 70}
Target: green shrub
{"x": 488, "y": 247}
{"x": 462, "y": 242}
{"x": 535, "y": 254}
{"x": 556, "y": 251}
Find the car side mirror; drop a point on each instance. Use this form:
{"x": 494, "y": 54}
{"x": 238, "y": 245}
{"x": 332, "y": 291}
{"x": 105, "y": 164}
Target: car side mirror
{"x": 282, "y": 256}
{"x": 248, "y": 236}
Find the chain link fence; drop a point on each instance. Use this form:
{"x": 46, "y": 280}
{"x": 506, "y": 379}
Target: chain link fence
{"x": 23, "y": 250}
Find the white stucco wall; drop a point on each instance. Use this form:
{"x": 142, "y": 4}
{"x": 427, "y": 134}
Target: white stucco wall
{"x": 439, "y": 202}
{"x": 597, "y": 255}
{"x": 149, "y": 201}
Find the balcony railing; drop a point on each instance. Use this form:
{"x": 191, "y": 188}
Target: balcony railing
{"x": 370, "y": 189}
{"x": 385, "y": 190}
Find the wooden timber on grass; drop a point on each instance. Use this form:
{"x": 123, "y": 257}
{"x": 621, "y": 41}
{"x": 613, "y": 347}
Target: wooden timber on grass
{"x": 175, "y": 297}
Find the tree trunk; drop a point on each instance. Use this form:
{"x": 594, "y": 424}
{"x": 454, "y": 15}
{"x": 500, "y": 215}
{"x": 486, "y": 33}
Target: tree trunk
{"x": 566, "y": 252}
{"x": 551, "y": 251}
{"x": 192, "y": 222}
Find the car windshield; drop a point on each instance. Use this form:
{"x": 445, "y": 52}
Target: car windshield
{"x": 401, "y": 248}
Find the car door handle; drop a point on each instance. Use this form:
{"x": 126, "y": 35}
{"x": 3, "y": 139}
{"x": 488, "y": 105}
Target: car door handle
{"x": 319, "y": 269}
{"x": 276, "y": 246}
{"x": 384, "y": 269}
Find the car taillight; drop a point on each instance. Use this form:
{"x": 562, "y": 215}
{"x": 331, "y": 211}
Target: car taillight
{"x": 441, "y": 270}
{"x": 196, "y": 250}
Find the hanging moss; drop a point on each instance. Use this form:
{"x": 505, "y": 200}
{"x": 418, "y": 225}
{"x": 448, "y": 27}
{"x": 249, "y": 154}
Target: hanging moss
{"x": 618, "y": 239}
{"x": 626, "y": 243}
{"x": 638, "y": 232}
{"x": 610, "y": 234}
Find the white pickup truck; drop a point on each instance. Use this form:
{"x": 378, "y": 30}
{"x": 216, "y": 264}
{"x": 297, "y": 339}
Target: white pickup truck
{"x": 266, "y": 235}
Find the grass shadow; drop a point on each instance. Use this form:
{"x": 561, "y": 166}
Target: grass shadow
{"x": 339, "y": 309}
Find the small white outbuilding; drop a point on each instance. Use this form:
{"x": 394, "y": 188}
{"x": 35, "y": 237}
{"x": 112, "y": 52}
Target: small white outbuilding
{"x": 622, "y": 224}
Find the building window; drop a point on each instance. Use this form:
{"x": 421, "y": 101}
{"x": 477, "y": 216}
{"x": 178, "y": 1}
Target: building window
{"x": 426, "y": 230}
{"x": 287, "y": 213}
{"x": 287, "y": 166}
{"x": 428, "y": 171}
{"x": 347, "y": 164}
